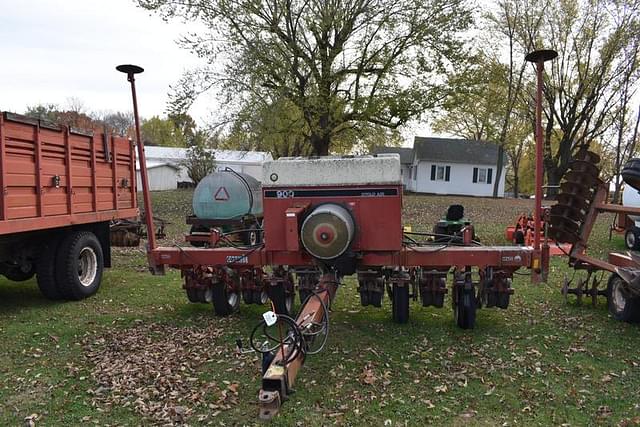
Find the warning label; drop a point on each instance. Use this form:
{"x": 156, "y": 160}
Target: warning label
{"x": 221, "y": 194}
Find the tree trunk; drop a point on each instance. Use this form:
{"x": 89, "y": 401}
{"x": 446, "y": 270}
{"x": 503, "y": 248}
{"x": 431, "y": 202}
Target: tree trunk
{"x": 320, "y": 143}
{"x": 499, "y": 168}
{"x": 516, "y": 184}
{"x": 617, "y": 187}
{"x": 554, "y": 175}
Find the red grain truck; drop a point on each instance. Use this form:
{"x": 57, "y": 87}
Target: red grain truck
{"x": 59, "y": 189}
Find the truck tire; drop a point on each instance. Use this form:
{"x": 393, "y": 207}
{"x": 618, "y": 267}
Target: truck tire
{"x": 79, "y": 265}
{"x": 632, "y": 239}
{"x": 16, "y": 274}
{"x": 622, "y": 306}
{"x": 46, "y": 269}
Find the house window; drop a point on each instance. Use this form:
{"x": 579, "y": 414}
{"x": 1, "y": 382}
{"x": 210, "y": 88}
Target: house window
{"x": 482, "y": 175}
{"x": 440, "y": 173}
{"x": 415, "y": 172}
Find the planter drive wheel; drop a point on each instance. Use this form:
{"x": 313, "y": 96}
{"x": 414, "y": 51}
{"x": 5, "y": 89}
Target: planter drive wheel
{"x": 400, "y": 303}
{"x": 225, "y": 301}
{"x": 622, "y": 305}
{"x": 79, "y": 265}
{"x": 46, "y": 269}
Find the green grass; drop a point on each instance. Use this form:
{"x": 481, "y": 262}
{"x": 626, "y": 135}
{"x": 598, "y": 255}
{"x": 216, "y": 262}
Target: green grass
{"x": 540, "y": 362}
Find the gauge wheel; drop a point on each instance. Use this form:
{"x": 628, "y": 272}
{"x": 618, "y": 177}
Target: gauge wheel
{"x": 400, "y": 303}
{"x": 364, "y": 297}
{"x": 518, "y": 237}
{"x": 198, "y": 295}
{"x": 247, "y": 296}
{"x": 622, "y": 305}
{"x": 465, "y": 309}
{"x": 260, "y": 297}
{"x": 304, "y": 294}
{"x": 282, "y": 300}
{"x": 193, "y": 295}
{"x": 225, "y": 300}
{"x": 375, "y": 298}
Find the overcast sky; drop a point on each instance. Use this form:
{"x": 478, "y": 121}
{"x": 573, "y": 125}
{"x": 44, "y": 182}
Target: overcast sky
{"x": 54, "y": 50}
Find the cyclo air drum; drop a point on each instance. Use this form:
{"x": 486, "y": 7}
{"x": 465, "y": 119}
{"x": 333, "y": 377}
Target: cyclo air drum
{"x": 328, "y": 231}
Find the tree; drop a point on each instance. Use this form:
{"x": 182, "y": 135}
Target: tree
{"x": 48, "y": 112}
{"x": 625, "y": 146}
{"x": 279, "y": 128}
{"x": 74, "y": 116}
{"x": 582, "y": 85}
{"x": 163, "y": 132}
{"x": 275, "y": 126}
{"x": 487, "y": 106}
{"x": 119, "y": 123}
{"x": 341, "y": 63}
{"x": 200, "y": 160}
{"x": 487, "y": 103}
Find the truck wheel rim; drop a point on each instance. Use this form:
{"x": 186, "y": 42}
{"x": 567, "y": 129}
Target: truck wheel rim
{"x": 619, "y": 299}
{"x": 87, "y": 266}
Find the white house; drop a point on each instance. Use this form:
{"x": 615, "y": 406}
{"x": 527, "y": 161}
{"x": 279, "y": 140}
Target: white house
{"x": 450, "y": 166}
{"x": 165, "y": 166}
{"x": 455, "y": 166}
{"x": 406, "y": 161}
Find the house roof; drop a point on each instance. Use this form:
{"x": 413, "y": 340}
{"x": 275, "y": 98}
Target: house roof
{"x": 456, "y": 150}
{"x": 406, "y": 154}
{"x": 174, "y": 154}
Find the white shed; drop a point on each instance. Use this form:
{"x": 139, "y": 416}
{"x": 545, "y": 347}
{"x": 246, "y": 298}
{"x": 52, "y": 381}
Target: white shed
{"x": 172, "y": 171}
{"x": 162, "y": 176}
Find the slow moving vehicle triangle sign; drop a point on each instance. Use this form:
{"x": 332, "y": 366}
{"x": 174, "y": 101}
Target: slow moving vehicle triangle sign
{"x": 221, "y": 194}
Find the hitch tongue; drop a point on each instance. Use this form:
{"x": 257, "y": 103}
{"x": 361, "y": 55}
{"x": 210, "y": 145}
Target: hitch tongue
{"x": 269, "y": 404}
